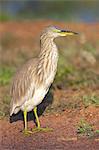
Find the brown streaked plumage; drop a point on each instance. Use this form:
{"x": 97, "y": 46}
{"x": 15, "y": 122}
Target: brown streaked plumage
{"x": 32, "y": 81}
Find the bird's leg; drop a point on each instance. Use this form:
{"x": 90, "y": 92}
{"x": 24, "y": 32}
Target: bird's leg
{"x": 38, "y": 128}
{"x": 36, "y": 116}
{"x": 26, "y": 131}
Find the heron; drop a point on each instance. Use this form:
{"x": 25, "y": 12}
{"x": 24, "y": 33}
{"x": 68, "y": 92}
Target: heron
{"x": 32, "y": 81}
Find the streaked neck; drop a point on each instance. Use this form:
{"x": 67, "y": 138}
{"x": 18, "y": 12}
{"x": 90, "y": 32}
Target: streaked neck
{"x": 48, "y": 56}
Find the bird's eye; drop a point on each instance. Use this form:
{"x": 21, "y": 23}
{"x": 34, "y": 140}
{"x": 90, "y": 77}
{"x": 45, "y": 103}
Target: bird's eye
{"x": 60, "y": 31}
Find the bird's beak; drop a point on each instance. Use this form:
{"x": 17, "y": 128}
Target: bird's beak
{"x": 66, "y": 33}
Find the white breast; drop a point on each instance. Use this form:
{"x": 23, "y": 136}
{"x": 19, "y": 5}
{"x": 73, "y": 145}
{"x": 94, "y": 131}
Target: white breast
{"x": 37, "y": 98}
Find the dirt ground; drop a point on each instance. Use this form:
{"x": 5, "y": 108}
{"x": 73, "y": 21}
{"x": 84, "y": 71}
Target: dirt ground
{"x": 63, "y": 120}
{"x": 64, "y": 134}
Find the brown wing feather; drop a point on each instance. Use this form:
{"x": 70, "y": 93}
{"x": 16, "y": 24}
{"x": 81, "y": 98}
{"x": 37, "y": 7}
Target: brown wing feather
{"x": 21, "y": 84}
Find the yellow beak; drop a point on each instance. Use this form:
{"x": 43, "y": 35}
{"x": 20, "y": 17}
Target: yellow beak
{"x": 65, "y": 33}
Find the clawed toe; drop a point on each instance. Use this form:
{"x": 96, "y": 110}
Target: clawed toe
{"x": 42, "y": 129}
{"x": 27, "y": 132}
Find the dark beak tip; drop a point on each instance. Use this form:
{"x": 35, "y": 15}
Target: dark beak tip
{"x": 76, "y": 33}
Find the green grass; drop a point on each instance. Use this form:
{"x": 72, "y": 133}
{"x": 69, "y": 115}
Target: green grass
{"x": 4, "y": 107}
{"x": 5, "y": 17}
{"x": 97, "y": 131}
{"x": 64, "y": 70}
{"x": 84, "y": 128}
{"x": 71, "y": 76}
{"x": 90, "y": 100}
{"x": 89, "y": 47}
{"x": 6, "y": 74}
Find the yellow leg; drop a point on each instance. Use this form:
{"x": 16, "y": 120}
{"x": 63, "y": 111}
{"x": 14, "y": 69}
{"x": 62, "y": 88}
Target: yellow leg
{"x": 38, "y": 123}
{"x": 36, "y": 116}
{"x": 25, "y": 120}
{"x": 26, "y": 131}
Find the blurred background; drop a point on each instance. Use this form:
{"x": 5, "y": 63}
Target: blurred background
{"x": 77, "y": 81}
{"x": 68, "y": 10}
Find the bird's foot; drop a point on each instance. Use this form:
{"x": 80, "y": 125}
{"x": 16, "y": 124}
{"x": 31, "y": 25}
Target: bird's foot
{"x": 39, "y": 129}
{"x": 27, "y": 132}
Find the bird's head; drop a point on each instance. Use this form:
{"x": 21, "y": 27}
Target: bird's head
{"x": 53, "y": 32}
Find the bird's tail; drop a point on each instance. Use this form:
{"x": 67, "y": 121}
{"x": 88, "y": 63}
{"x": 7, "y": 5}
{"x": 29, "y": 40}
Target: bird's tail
{"x": 11, "y": 108}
